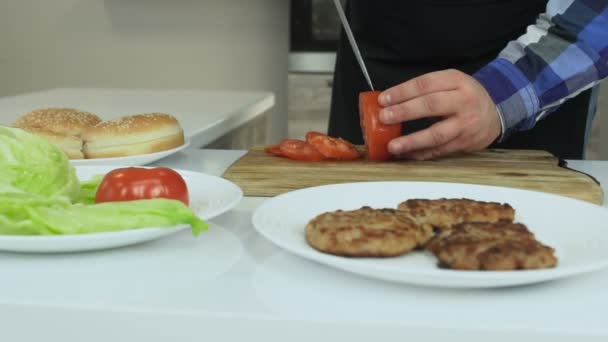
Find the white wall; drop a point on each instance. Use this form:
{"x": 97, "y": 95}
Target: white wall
{"x": 208, "y": 44}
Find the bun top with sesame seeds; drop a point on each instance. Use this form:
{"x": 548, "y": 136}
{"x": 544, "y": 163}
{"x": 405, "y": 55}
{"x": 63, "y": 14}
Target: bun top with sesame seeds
{"x": 132, "y": 135}
{"x": 66, "y": 121}
{"x": 132, "y": 124}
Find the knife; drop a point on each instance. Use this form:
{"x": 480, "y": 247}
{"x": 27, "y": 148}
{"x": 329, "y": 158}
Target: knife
{"x": 353, "y": 42}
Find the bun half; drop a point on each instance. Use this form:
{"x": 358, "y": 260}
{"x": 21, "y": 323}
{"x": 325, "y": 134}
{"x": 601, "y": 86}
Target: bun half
{"x": 70, "y": 145}
{"x": 65, "y": 121}
{"x": 133, "y": 135}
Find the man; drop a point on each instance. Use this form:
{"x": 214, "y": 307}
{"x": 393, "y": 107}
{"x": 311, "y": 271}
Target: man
{"x": 462, "y": 75}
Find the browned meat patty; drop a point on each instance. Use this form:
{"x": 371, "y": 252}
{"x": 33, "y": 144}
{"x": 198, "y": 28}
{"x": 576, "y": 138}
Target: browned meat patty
{"x": 445, "y": 213}
{"x": 366, "y": 232}
{"x": 491, "y": 246}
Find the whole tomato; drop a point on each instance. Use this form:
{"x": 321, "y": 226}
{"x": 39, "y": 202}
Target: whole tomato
{"x": 134, "y": 183}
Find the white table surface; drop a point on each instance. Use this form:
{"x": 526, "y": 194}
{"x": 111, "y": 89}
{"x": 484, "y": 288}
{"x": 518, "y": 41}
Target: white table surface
{"x": 204, "y": 115}
{"x": 184, "y": 289}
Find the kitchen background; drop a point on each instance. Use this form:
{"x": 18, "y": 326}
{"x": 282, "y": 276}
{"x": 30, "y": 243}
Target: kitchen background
{"x": 213, "y": 44}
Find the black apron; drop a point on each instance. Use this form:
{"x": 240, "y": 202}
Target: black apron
{"x": 402, "y": 39}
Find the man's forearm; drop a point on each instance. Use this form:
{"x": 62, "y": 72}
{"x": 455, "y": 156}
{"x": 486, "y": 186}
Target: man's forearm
{"x": 564, "y": 53}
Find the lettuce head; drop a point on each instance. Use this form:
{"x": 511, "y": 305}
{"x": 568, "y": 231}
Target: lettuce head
{"x": 31, "y": 164}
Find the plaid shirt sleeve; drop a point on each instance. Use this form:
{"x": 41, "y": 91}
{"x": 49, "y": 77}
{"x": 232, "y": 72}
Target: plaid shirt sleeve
{"x": 563, "y": 54}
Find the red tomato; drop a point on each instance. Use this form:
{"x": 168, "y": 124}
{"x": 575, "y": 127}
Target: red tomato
{"x": 134, "y": 183}
{"x": 274, "y": 150}
{"x": 375, "y": 134}
{"x": 300, "y": 150}
{"x": 333, "y": 148}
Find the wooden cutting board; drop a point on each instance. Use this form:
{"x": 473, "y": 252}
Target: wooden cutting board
{"x": 260, "y": 174}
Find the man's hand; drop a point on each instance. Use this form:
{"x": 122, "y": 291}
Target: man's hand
{"x": 469, "y": 122}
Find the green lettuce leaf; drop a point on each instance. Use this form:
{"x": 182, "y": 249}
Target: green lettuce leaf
{"x": 31, "y": 164}
{"x": 88, "y": 190}
{"x": 14, "y": 215}
{"x": 25, "y": 214}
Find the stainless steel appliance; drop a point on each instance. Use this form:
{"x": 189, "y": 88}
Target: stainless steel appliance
{"x": 315, "y": 30}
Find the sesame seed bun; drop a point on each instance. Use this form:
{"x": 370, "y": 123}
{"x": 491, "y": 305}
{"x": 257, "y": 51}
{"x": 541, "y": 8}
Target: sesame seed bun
{"x": 70, "y": 145}
{"x": 65, "y": 121}
{"x": 133, "y": 135}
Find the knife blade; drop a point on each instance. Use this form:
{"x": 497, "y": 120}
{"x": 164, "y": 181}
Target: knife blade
{"x": 353, "y": 42}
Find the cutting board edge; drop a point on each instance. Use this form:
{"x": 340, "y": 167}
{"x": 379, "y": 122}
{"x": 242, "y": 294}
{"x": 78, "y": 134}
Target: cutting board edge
{"x": 595, "y": 195}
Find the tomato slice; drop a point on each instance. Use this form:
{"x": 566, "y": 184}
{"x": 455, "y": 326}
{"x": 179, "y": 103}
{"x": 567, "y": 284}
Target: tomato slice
{"x": 375, "y": 134}
{"x": 135, "y": 183}
{"x": 333, "y": 148}
{"x": 274, "y": 150}
{"x": 300, "y": 150}
{"x": 312, "y": 134}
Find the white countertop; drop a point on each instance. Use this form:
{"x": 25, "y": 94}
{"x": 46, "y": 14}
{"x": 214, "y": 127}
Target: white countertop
{"x": 187, "y": 290}
{"x": 204, "y": 115}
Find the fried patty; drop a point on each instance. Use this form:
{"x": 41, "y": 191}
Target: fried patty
{"x": 491, "y": 246}
{"x": 445, "y": 213}
{"x": 366, "y": 232}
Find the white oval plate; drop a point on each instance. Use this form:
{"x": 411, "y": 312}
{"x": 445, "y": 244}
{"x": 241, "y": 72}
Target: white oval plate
{"x": 577, "y": 230}
{"x": 136, "y": 160}
{"x": 210, "y": 196}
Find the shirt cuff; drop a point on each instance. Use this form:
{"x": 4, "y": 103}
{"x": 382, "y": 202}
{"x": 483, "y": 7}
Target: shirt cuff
{"x": 513, "y": 93}
{"x": 501, "y": 138}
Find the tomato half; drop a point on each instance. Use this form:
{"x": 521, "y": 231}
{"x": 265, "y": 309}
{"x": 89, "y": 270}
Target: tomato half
{"x": 300, "y": 150}
{"x": 274, "y": 150}
{"x": 332, "y": 148}
{"x": 375, "y": 134}
{"x": 135, "y": 183}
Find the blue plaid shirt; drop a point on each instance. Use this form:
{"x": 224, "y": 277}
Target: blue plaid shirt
{"x": 563, "y": 54}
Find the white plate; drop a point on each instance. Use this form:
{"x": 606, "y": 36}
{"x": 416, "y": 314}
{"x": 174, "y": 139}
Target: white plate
{"x": 210, "y": 196}
{"x": 136, "y": 160}
{"x": 577, "y": 230}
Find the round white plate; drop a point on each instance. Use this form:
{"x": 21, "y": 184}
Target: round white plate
{"x": 136, "y": 160}
{"x": 577, "y": 230}
{"x": 210, "y": 196}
